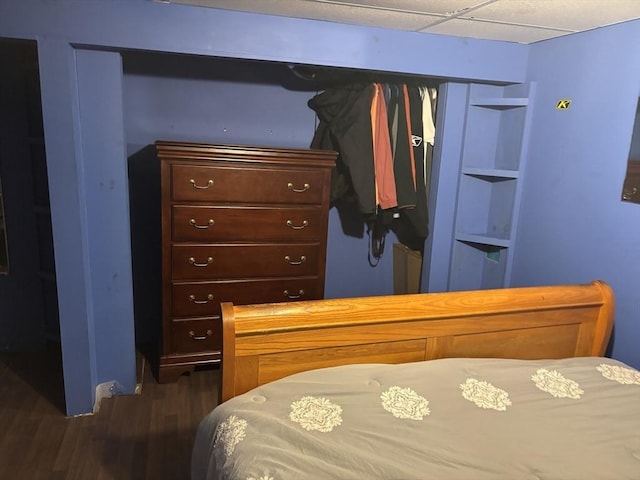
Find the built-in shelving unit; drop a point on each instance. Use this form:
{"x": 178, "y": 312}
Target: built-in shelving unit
{"x": 493, "y": 157}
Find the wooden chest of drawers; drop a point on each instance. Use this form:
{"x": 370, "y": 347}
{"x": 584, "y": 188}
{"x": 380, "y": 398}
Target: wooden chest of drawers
{"x": 241, "y": 224}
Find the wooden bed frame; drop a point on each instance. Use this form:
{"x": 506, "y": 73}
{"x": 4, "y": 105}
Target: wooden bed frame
{"x": 262, "y": 343}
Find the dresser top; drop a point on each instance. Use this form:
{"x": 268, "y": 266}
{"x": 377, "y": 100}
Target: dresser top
{"x": 243, "y": 153}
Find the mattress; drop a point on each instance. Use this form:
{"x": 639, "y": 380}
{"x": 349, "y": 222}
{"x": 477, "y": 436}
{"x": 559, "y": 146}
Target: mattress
{"x": 467, "y": 419}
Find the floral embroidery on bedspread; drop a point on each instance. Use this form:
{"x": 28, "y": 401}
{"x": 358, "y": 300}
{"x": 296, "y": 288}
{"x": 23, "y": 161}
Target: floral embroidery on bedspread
{"x": 316, "y": 413}
{"x": 556, "y": 384}
{"x": 623, "y": 375}
{"x": 485, "y": 395}
{"x": 230, "y": 433}
{"x": 405, "y": 403}
{"x": 321, "y": 414}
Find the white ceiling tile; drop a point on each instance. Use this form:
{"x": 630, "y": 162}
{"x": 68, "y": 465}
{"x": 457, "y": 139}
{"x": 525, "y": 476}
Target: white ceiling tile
{"x": 492, "y": 31}
{"x": 360, "y": 15}
{"x": 381, "y": 18}
{"x": 333, "y": 12}
{"x": 575, "y": 15}
{"x": 272, "y": 7}
{"x": 437, "y": 7}
{"x": 506, "y": 20}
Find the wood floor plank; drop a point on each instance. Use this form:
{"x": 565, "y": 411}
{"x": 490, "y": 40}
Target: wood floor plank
{"x": 43, "y": 455}
{"x": 137, "y": 437}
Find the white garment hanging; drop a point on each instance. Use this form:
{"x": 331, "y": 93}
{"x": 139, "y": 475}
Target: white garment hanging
{"x": 428, "y": 126}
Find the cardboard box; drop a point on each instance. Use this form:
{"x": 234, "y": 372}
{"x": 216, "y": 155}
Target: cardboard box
{"x": 407, "y": 269}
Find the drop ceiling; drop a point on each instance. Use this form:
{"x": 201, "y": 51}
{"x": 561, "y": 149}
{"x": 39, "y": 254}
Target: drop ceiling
{"x": 521, "y": 21}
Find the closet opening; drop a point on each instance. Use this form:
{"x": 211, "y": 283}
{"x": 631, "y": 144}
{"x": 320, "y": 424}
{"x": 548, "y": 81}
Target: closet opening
{"x": 192, "y": 98}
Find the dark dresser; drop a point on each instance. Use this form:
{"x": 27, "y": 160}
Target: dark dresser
{"x": 239, "y": 223}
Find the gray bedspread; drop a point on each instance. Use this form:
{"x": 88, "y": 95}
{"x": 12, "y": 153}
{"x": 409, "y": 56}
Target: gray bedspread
{"x": 467, "y": 419}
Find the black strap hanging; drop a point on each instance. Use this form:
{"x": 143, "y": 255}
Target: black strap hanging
{"x": 378, "y": 226}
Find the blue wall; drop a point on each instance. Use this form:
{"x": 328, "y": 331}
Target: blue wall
{"x": 91, "y": 130}
{"x": 574, "y": 228}
{"x": 178, "y": 97}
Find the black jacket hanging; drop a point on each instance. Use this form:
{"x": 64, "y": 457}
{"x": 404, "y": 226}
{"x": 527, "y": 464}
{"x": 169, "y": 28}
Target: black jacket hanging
{"x": 418, "y": 217}
{"x": 406, "y": 193}
{"x": 345, "y": 126}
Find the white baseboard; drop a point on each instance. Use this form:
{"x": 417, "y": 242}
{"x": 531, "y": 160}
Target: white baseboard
{"x": 105, "y": 390}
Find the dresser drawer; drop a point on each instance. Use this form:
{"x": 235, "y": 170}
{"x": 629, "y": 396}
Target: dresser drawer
{"x": 249, "y": 224}
{"x": 196, "y": 335}
{"x": 244, "y": 260}
{"x": 203, "y": 298}
{"x": 246, "y": 184}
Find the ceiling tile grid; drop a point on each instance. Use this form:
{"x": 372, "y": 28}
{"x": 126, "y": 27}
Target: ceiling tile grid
{"x": 521, "y": 21}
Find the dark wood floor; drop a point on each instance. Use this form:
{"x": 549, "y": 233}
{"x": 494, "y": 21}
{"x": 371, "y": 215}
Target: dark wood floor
{"x": 146, "y": 436}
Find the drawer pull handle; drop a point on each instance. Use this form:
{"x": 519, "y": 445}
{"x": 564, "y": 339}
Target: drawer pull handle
{"x": 193, "y": 335}
{"x": 304, "y": 188}
{"x": 289, "y": 295}
{"x": 287, "y": 259}
{"x": 192, "y": 299}
{"x": 193, "y": 222}
{"x": 297, "y": 227}
{"x": 193, "y": 262}
{"x": 200, "y": 187}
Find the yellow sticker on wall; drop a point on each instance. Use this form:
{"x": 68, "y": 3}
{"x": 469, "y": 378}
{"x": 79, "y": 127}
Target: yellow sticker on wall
{"x": 563, "y": 104}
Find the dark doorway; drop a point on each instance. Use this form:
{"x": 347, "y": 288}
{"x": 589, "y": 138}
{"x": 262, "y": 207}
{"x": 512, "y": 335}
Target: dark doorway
{"x": 29, "y": 321}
